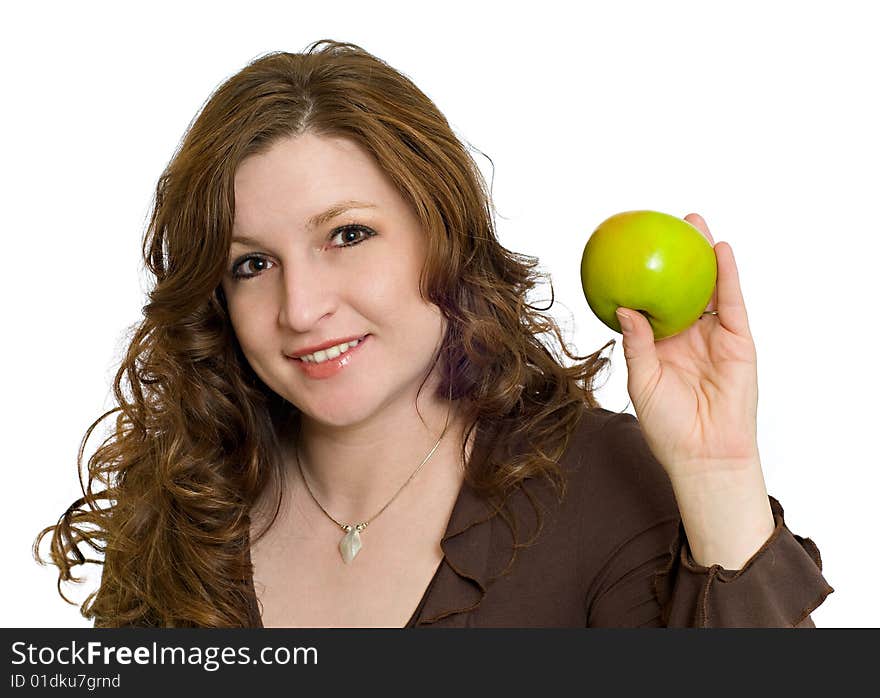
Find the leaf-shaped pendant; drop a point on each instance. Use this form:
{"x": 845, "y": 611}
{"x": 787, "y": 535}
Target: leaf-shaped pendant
{"x": 350, "y": 544}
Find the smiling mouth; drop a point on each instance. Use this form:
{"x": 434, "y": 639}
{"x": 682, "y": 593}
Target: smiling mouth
{"x": 325, "y": 355}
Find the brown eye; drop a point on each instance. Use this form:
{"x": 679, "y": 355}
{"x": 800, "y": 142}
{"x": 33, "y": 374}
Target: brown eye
{"x": 258, "y": 266}
{"x": 352, "y": 235}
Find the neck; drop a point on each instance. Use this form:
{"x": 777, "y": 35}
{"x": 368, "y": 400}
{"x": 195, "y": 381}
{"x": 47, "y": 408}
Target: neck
{"x": 354, "y": 471}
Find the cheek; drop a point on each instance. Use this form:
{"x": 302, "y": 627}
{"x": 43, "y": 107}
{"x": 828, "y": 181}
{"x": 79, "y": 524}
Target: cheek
{"x": 248, "y": 321}
{"x": 396, "y": 282}
{"x": 397, "y": 297}
{"x": 378, "y": 294}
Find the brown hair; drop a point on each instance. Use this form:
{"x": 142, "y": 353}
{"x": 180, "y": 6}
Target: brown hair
{"x": 196, "y": 434}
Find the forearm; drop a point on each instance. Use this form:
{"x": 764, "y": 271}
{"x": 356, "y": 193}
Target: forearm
{"x": 727, "y": 517}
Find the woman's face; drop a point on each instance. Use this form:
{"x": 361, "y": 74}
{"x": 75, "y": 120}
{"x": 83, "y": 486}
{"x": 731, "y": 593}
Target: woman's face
{"x": 313, "y": 281}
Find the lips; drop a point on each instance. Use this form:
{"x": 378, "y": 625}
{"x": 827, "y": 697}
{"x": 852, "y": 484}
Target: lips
{"x": 323, "y": 345}
{"x": 332, "y": 367}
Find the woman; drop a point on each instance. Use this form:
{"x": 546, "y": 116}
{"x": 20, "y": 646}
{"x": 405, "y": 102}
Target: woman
{"x": 340, "y": 412}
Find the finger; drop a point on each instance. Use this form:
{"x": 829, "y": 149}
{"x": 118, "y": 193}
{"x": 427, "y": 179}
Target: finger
{"x": 696, "y": 220}
{"x": 642, "y": 364}
{"x": 730, "y": 303}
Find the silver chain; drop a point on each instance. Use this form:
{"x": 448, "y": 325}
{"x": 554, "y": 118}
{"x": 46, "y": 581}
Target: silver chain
{"x": 361, "y": 526}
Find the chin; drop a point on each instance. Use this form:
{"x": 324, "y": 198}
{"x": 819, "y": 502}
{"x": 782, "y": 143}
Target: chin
{"x": 338, "y": 415}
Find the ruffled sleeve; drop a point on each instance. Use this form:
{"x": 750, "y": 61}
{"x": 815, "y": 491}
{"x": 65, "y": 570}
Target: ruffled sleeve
{"x": 645, "y": 575}
{"x": 778, "y": 587}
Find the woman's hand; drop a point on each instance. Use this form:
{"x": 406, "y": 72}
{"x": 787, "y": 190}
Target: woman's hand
{"x": 696, "y": 393}
{"x": 696, "y": 398}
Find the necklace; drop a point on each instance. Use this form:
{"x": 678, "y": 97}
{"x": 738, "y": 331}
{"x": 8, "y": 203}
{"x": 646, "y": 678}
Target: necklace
{"x": 351, "y": 543}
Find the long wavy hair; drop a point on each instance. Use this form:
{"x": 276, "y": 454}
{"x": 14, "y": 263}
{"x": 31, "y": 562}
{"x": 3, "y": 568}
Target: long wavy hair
{"x": 168, "y": 496}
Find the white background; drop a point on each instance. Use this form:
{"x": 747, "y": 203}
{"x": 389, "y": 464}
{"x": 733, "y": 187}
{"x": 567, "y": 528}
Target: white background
{"x": 760, "y": 116}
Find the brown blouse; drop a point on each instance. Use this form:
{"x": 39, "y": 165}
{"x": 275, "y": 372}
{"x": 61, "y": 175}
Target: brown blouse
{"x": 613, "y": 553}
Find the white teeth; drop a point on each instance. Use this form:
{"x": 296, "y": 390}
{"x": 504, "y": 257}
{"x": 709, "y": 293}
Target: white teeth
{"x": 329, "y": 353}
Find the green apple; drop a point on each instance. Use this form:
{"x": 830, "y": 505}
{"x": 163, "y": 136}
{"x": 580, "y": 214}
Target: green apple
{"x": 652, "y": 262}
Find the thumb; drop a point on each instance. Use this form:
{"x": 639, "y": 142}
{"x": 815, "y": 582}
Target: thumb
{"x": 638, "y": 347}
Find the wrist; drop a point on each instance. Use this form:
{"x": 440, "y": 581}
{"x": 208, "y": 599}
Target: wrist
{"x": 726, "y": 516}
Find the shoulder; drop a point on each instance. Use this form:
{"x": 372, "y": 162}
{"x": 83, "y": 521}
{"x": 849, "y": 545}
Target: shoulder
{"x": 615, "y": 488}
{"x": 612, "y": 473}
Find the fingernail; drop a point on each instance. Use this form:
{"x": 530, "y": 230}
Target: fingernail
{"x": 625, "y": 321}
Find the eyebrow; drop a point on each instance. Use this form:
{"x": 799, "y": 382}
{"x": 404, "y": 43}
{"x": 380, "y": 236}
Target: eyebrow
{"x": 335, "y": 210}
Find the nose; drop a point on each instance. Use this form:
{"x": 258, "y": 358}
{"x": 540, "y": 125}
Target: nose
{"x": 307, "y": 295}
